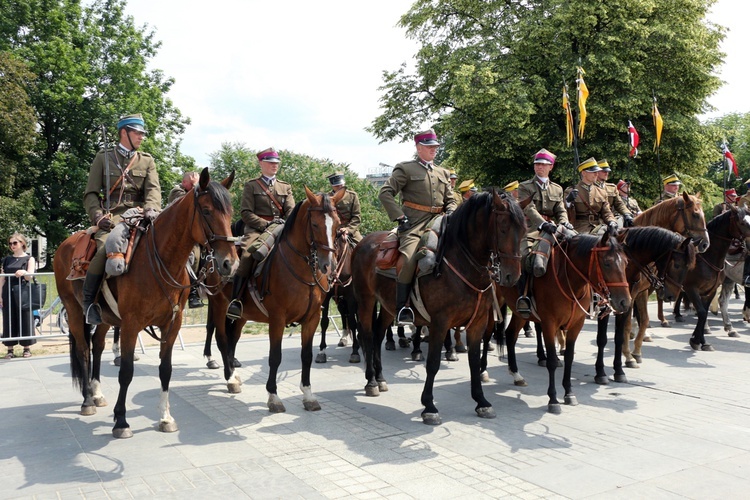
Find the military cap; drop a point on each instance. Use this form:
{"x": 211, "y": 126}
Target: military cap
{"x": 589, "y": 165}
{"x": 512, "y": 186}
{"x": 426, "y": 138}
{"x": 454, "y": 175}
{"x": 730, "y": 193}
{"x": 604, "y": 165}
{"x": 544, "y": 156}
{"x": 336, "y": 179}
{"x": 671, "y": 179}
{"x": 621, "y": 183}
{"x": 467, "y": 185}
{"x": 270, "y": 155}
{"x": 133, "y": 122}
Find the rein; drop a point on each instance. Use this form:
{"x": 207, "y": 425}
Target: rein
{"x": 682, "y": 211}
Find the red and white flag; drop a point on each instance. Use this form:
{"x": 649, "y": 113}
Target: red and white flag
{"x": 731, "y": 161}
{"x": 634, "y": 139}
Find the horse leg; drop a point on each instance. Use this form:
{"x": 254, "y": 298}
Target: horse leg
{"x": 166, "y": 422}
{"x": 403, "y": 340}
{"x": 227, "y": 335}
{"x": 450, "y": 351}
{"x": 677, "y": 316}
{"x": 416, "y": 345}
{"x": 128, "y": 338}
{"x": 511, "y": 336}
{"x": 570, "y": 342}
{"x": 367, "y": 326}
{"x": 660, "y": 313}
{"x": 210, "y": 329}
{"x": 98, "y": 341}
{"x": 460, "y": 347}
{"x": 346, "y": 326}
{"x": 390, "y": 345}
{"x": 746, "y": 305}
{"x": 438, "y": 332}
{"x": 549, "y": 332}
{"x": 116, "y": 346}
{"x": 80, "y": 359}
{"x": 601, "y": 343}
{"x": 698, "y": 339}
{"x": 489, "y": 331}
{"x": 309, "y": 400}
{"x": 275, "y": 334}
{"x": 351, "y": 308}
{"x": 632, "y": 358}
{"x": 541, "y": 353}
{"x": 384, "y": 318}
{"x": 622, "y": 324}
{"x": 321, "y": 357}
{"x": 723, "y": 305}
{"x": 475, "y": 337}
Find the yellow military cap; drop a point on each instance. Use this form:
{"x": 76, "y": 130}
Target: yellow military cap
{"x": 671, "y": 179}
{"x": 453, "y": 173}
{"x": 511, "y": 186}
{"x": 467, "y": 185}
{"x": 604, "y": 165}
{"x": 589, "y": 165}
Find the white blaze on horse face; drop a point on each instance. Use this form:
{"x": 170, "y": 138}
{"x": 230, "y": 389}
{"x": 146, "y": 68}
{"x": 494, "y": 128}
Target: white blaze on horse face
{"x": 329, "y": 230}
{"x": 747, "y": 220}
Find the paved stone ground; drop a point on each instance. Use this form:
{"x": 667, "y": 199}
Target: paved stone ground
{"x": 678, "y": 429}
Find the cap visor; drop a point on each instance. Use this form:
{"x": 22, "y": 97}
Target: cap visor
{"x": 430, "y": 142}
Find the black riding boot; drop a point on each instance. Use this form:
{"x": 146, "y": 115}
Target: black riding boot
{"x": 404, "y": 315}
{"x": 523, "y": 304}
{"x": 91, "y": 310}
{"x": 194, "y": 299}
{"x": 234, "y": 311}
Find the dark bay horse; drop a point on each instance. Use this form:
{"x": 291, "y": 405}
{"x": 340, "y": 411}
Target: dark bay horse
{"x": 342, "y": 294}
{"x": 703, "y": 280}
{"x": 480, "y": 244}
{"x": 293, "y": 283}
{"x": 578, "y": 266}
{"x": 153, "y": 292}
{"x": 672, "y": 257}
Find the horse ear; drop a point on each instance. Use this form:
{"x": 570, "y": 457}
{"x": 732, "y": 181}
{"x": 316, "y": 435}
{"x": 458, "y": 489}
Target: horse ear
{"x": 338, "y": 196}
{"x": 311, "y": 196}
{"x": 205, "y": 179}
{"x": 227, "y": 183}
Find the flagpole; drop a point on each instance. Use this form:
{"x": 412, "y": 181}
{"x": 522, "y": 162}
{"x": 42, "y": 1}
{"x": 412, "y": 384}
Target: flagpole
{"x": 657, "y": 146}
{"x": 725, "y": 148}
{"x": 630, "y": 157}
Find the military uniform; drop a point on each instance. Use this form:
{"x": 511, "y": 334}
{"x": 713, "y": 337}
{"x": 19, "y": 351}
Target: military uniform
{"x": 350, "y": 214}
{"x": 547, "y": 205}
{"x": 720, "y": 208}
{"x": 591, "y": 208}
{"x": 632, "y": 204}
{"x": 458, "y": 197}
{"x": 665, "y": 195}
{"x": 177, "y": 192}
{"x": 616, "y": 204}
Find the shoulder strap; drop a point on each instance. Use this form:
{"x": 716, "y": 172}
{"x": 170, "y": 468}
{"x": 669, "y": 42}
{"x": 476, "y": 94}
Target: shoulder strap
{"x": 124, "y": 173}
{"x": 270, "y": 195}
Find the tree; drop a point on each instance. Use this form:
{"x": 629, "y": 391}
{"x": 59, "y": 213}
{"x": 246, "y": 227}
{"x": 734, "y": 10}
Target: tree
{"x": 299, "y": 170}
{"x": 489, "y": 75}
{"x": 90, "y": 67}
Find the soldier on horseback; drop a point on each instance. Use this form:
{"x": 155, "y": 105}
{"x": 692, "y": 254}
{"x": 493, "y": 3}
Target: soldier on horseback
{"x": 616, "y": 204}
{"x": 671, "y": 188}
{"x": 588, "y": 203}
{"x": 623, "y": 187}
{"x": 189, "y": 180}
{"x": 426, "y": 192}
{"x": 348, "y": 208}
{"x": 119, "y": 179}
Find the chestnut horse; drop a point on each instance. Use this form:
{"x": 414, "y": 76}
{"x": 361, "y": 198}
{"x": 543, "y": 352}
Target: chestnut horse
{"x": 562, "y": 298}
{"x": 293, "y": 282}
{"x": 152, "y": 292}
{"x": 480, "y": 244}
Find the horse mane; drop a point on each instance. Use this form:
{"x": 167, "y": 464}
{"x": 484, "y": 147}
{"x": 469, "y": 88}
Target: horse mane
{"x": 462, "y": 218}
{"x": 582, "y": 245}
{"x": 717, "y": 221}
{"x": 327, "y": 206}
{"x": 657, "y": 238}
{"x": 219, "y": 197}
{"x": 663, "y": 211}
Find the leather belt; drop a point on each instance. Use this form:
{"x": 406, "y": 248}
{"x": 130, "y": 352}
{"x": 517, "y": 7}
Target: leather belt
{"x": 424, "y": 208}
{"x": 132, "y": 198}
{"x": 266, "y": 217}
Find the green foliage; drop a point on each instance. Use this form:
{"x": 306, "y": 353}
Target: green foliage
{"x": 489, "y": 75}
{"x": 89, "y": 64}
{"x": 299, "y": 170}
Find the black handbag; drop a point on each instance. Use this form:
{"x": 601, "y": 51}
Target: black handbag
{"x": 33, "y": 295}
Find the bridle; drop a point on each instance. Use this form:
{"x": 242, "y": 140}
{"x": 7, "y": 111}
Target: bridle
{"x": 682, "y": 208}
{"x": 496, "y": 256}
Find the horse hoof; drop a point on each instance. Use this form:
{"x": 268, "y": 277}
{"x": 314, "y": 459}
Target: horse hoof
{"x": 311, "y": 405}
{"x": 354, "y": 358}
{"x": 679, "y": 319}
{"x": 417, "y": 356}
{"x": 554, "y": 408}
{"x": 403, "y": 343}
{"x": 275, "y": 405}
{"x": 461, "y": 348}
{"x": 631, "y": 363}
{"x": 168, "y": 426}
{"x": 621, "y": 378}
{"x": 236, "y": 363}
{"x": 390, "y": 345}
{"x": 647, "y": 338}
{"x": 451, "y": 355}
{"x": 122, "y": 433}
{"x": 733, "y": 334}
{"x": 571, "y": 400}
{"x": 542, "y": 362}
{"x": 431, "y": 418}
{"x": 488, "y": 412}
{"x": 520, "y": 383}
{"x": 343, "y": 342}
{"x": 695, "y": 345}
{"x": 213, "y": 365}
{"x": 528, "y": 335}
{"x": 601, "y": 380}
{"x": 707, "y": 347}
{"x": 372, "y": 391}
{"x": 321, "y": 357}
{"x": 100, "y": 402}
{"x": 234, "y": 388}
{"x": 117, "y": 360}
{"x": 87, "y": 411}
{"x": 490, "y": 347}
{"x": 665, "y": 324}
{"x": 484, "y": 376}
{"x": 638, "y": 359}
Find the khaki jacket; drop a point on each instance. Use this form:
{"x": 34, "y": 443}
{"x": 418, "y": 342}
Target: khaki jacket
{"x": 257, "y": 209}
{"x": 546, "y": 204}
{"x": 177, "y": 192}
{"x": 664, "y": 196}
{"x": 591, "y": 208}
{"x": 616, "y": 204}
{"x": 720, "y": 208}
{"x": 139, "y": 188}
{"x": 350, "y": 214}
{"x": 632, "y": 205}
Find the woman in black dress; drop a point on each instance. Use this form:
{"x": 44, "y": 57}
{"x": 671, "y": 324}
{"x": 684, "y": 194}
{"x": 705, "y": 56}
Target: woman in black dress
{"x": 16, "y": 323}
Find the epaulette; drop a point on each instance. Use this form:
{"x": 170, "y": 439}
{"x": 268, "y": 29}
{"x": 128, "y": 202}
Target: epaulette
{"x": 147, "y": 155}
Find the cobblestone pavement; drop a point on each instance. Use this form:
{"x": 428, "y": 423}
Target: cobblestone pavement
{"x": 678, "y": 429}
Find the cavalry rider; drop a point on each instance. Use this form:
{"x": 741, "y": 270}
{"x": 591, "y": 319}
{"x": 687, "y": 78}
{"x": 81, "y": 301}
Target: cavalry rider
{"x": 512, "y": 189}
{"x": 588, "y": 203}
{"x": 467, "y": 189}
{"x": 671, "y": 188}
{"x": 189, "y": 180}
{"x": 623, "y": 187}
{"x": 133, "y": 182}
{"x": 456, "y": 195}
{"x": 266, "y": 200}
{"x": 425, "y": 191}
{"x": 730, "y": 200}
{"x": 348, "y": 208}
{"x": 616, "y": 204}
{"x": 543, "y": 214}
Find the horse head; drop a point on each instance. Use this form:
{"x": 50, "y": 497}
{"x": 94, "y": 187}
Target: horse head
{"x": 607, "y": 273}
{"x": 678, "y": 263}
{"x": 507, "y": 228}
{"x": 741, "y": 223}
{"x": 693, "y": 222}
{"x": 212, "y": 218}
{"x": 323, "y": 223}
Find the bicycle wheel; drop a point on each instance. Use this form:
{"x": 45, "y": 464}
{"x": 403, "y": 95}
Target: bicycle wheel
{"x": 62, "y": 320}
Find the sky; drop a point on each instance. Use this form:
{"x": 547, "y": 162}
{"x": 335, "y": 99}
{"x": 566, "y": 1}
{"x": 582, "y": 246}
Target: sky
{"x": 304, "y": 75}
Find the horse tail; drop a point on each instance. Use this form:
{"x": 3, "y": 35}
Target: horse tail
{"x": 77, "y": 366}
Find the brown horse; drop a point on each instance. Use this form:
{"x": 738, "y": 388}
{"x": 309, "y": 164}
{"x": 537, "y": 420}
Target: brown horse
{"x": 562, "y": 297}
{"x": 481, "y": 242}
{"x": 291, "y": 286}
{"x": 152, "y": 292}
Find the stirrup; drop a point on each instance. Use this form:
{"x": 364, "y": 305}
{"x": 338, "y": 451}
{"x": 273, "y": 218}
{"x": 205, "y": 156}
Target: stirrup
{"x": 94, "y": 315}
{"x": 405, "y": 317}
{"x": 234, "y": 311}
{"x": 523, "y": 307}
{"x": 194, "y": 301}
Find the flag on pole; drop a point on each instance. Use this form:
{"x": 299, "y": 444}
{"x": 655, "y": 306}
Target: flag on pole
{"x": 658, "y": 124}
{"x": 634, "y": 139}
{"x": 583, "y": 95}
{"x": 568, "y": 116}
{"x": 731, "y": 161}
